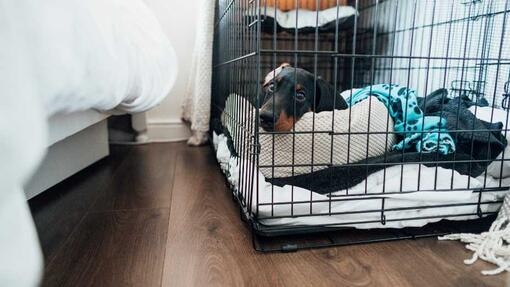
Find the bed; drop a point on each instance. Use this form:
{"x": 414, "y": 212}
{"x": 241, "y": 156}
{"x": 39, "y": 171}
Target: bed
{"x": 65, "y": 66}
{"x": 66, "y": 153}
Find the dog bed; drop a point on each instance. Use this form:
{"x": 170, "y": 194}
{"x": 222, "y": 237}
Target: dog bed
{"x": 286, "y": 5}
{"x": 320, "y": 149}
{"x": 305, "y": 21}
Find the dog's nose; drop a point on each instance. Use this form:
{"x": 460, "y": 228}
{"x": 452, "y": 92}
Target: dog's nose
{"x": 266, "y": 118}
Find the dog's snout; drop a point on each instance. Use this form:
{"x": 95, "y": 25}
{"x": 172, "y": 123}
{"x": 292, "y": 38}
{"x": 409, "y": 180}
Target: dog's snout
{"x": 267, "y": 118}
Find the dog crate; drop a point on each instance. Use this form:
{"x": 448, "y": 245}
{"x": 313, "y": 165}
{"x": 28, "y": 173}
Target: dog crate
{"x": 453, "y": 55}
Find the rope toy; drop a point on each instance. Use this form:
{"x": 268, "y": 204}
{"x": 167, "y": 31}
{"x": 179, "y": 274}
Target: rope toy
{"x": 492, "y": 246}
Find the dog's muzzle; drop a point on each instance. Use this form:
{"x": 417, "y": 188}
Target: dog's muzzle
{"x": 267, "y": 120}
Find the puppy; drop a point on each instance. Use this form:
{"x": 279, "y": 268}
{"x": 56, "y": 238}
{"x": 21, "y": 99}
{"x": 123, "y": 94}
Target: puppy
{"x": 289, "y": 93}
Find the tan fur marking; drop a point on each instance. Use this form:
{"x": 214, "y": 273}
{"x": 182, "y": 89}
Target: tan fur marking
{"x": 284, "y": 123}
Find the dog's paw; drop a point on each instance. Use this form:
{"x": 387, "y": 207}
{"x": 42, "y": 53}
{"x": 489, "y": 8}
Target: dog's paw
{"x": 198, "y": 139}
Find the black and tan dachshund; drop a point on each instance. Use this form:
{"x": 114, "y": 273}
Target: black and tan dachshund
{"x": 289, "y": 93}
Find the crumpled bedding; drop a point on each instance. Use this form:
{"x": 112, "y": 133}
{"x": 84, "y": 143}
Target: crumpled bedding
{"x": 487, "y": 139}
{"x": 292, "y": 205}
{"x": 453, "y": 184}
{"x": 61, "y": 56}
{"x": 475, "y": 150}
{"x": 420, "y": 132}
{"x": 342, "y": 177}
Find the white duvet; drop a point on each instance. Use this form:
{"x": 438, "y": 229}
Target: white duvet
{"x": 59, "y": 56}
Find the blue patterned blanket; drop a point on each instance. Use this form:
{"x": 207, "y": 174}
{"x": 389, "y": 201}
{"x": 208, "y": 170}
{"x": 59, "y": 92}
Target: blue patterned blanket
{"x": 420, "y": 132}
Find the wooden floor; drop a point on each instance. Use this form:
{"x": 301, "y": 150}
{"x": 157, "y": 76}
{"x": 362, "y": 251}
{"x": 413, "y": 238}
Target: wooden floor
{"x": 159, "y": 215}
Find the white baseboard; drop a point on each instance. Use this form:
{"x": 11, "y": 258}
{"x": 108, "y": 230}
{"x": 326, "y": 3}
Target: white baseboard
{"x": 167, "y": 131}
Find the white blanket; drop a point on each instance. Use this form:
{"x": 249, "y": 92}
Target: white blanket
{"x": 62, "y": 56}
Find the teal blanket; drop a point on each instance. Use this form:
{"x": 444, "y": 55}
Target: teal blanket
{"x": 423, "y": 133}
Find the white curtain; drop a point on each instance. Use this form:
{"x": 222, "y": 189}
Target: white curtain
{"x": 197, "y": 102}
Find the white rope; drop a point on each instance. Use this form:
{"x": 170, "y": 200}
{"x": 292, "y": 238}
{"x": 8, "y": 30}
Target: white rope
{"x": 491, "y": 246}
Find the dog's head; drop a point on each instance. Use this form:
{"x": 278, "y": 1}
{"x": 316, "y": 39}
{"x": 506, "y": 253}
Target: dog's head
{"x": 289, "y": 93}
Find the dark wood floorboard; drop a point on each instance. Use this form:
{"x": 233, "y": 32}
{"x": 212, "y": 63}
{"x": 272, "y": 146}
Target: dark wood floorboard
{"x": 164, "y": 218}
{"x": 207, "y": 244}
{"x": 60, "y": 209}
{"x": 113, "y": 248}
{"x": 143, "y": 180}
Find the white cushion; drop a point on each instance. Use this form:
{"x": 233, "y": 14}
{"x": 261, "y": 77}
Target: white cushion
{"x": 307, "y": 18}
{"x": 370, "y": 115}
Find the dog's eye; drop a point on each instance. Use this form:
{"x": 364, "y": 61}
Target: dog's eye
{"x": 270, "y": 88}
{"x": 300, "y": 96}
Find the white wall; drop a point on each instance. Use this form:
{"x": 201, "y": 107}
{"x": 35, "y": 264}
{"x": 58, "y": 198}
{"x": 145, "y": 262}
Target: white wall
{"x": 178, "y": 19}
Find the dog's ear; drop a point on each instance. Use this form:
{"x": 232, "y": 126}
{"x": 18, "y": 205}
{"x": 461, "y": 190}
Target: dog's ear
{"x": 274, "y": 73}
{"x": 326, "y": 98}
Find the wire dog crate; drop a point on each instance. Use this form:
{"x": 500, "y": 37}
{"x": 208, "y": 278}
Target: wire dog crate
{"x": 453, "y": 54}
